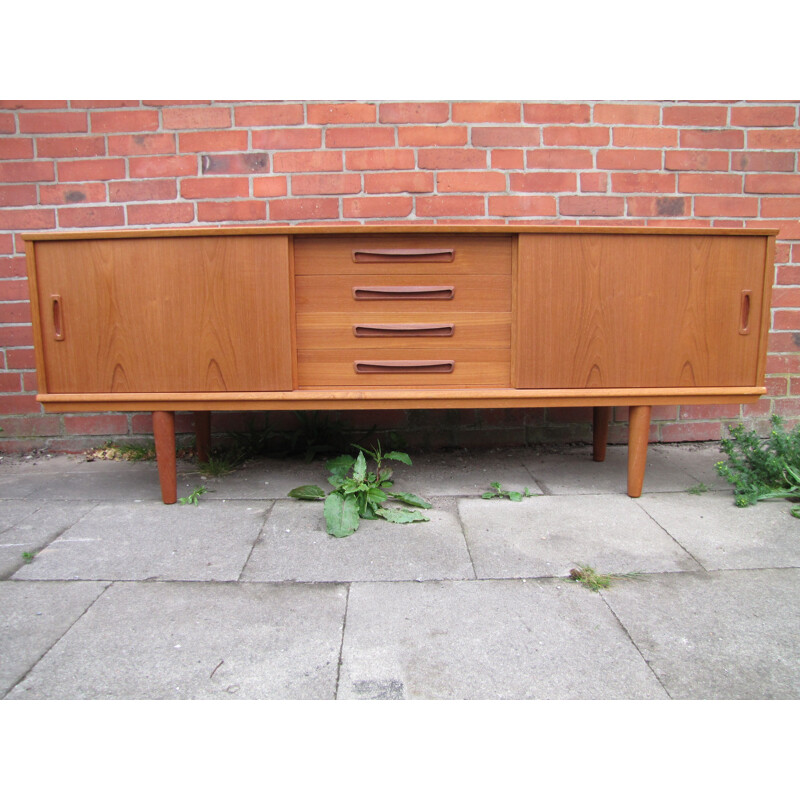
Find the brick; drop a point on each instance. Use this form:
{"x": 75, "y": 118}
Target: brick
{"x": 183, "y": 118}
{"x": 15, "y": 105}
{"x": 264, "y": 115}
{"x": 359, "y": 137}
{"x": 486, "y": 112}
{"x": 15, "y": 313}
{"x": 19, "y": 404}
{"x": 762, "y": 162}
{"x": 162, "y": 166}
{"x": 370, "y": 207}
{"x": 21, "y": 358}
{"x": 720, "y": 411}
{"x": 334, "y": 183}
{"x": 559, "y": 159}
{"x": 696, "y": 160}
{"x": 7, "y": 123}
{"x": 432, "y": 135}
{"x": 104, "y": 103}
{"x": 27, "y": 171}
{"x": 783, "y": 320}
{"x": 788, "y": 274}
{"x": 774, "y": 139}
{"x": 777, "y": 387}
{"x": 149, "y": 189}
{"x": 10, "y": 382}
{"x": 214, "y": 142}
{"x": 91, "y": 217}
{"x": 569, "y": 136}
{"x": 304, "y": 208}
{"x": 787, "y": 229}
{"x": 698, "y": 116}
{"x": 18, "y": 194}
{"x": 783, "y": 364}
{"x": 379, "y": 159}
{"x": 19, "y": 335}
{"x": 14, "y": 267}
{"x": 160, "y": 213}
{"x": 235, "y": 163}
{"x": 13, "y": 289}
{"x": 98, "y": 169}
{"x": 780, "y": 207}
{"x": 644, "y": 137}
{"x": 557, "y": 112}
{"x": 143, "y": 119}
{"x": 215, "y": 187}
{"x": 509, "y": 136}
{"x": 471, "y": 182}
{"x": 232, "y": 210}
{"x": 270, "y": 186}
{"x": 95, "y": 424}
{"x": 139, "y": 144}
{"x": 163, "y": 103}
{"x": 451, "y": 206}
{"x": 690, "y": 431}
{"x": 59, "y": 122}
{"x": 787, "y": 408}
{"x": 508, "y": 159}
{"x": 616, "y": 114}
{"x": 632, "y": 182}
{"x": 659, "y": 413}
{"x": 14, "y": 219}
{"x": 450, "y": 158}
{"x": 594, "y": 182}
{"x": 6, "y": 245}
{"x": 764, "y": 116}
{"x": 70, "y": 146}
{"x": 629, "y": 159}
{"x": 726, "y": 206}
{"x": 287, "y": 139}
{"x": 772, "y": 184}
{"x": 42, "y": 425}
{"x": 17, "y": 147}
{"x": 705, "y": 183}
{"x": 325, "y": 161}
{"x": 414, "y": 112}
{"x": 387, "y": 182}
{"x": 69, "y": 193}
{"x": 544, "y": 182}
{"x": 341, "y": 113}
{"x": 506, "y": 206}
{"x": 783, "y": 297}
{"x": 711, "y": 139}
{"x": 591, "y": 206}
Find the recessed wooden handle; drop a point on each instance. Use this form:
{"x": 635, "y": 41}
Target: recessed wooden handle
{"x": 403, "y": 254}
{"x": 401, "y": 367}
{"x": 403, "y": 292}
{"x": 744, "y": 316}
{"x": 58, "y": 317}
{"x": 406, "y": 329}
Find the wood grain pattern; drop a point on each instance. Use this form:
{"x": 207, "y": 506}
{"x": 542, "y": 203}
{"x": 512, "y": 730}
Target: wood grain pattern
{"x": 194, "y": 314}
{"x": 600, "y": 311}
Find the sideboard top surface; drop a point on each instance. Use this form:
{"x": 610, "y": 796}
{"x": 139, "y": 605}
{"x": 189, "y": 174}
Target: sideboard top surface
{"x": 347, "y": 229}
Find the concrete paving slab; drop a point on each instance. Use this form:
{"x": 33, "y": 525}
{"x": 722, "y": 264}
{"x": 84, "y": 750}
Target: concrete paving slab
{"x": 574, "y": 472}
{"x": 294, "y": 546}
{"x": 151, "y": 541}
{"x": 721, "y": 536}
{"x": 36, "y": 528}
{"x": 728, "y": 635}
{"x": 487, "y": 640}
{"x": 548, "y": 536}
{"x": 697, "y": 459}
{"x": 34, "y": 617}
{"x": 197, "y": 641}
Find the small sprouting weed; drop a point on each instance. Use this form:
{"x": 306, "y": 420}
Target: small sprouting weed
{"x": 498, "y": 491}
{"x": 194, "y": 497}
{"x": 701, "y": 488}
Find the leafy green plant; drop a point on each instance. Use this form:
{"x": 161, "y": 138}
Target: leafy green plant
{"x": 28, "y": 557}
{"x": 762, "y": 469}
{"x": 700, "y": 488}
{"x": 359, "y": 493}
{"x": 217, "y": 466}
{"x": 594, "y": 580}
{"x": 194, "y": 498}
{"x": 498, "y": 491}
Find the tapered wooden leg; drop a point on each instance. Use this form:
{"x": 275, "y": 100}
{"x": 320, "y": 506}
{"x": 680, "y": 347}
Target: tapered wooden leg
{"x": 638, "y": 434}
{"x": 601, "y": 416}
{"x": 202, "y": 431}
{"x": 164, "y": 432}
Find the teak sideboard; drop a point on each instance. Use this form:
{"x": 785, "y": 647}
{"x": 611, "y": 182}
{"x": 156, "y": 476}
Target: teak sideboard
{"x": 364, "y": 317}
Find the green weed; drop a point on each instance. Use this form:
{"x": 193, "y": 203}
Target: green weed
{"x": 194, "y": 498}
{"x": 498, "y": 491}
{"x": 594, "y": 580}
{"x": 28, "y": 557}
{"x": 701, "y": 488}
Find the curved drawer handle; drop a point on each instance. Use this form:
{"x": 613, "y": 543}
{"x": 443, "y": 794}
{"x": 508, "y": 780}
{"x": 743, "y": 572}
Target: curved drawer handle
{"x": 381, "y": 256}
{"x": 58, "y": 317}
{"x": 410, "y": 329}
{"x": 404, "y": 292}
{"x": 744, "y": 314}
{"x": 402, "y": 367}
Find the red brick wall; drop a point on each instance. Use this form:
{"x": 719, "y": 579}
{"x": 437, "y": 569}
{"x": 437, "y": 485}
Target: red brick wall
{"x": 82, "y": 164}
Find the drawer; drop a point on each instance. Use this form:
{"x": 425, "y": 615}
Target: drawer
{"x": 372, "y": 368}
{"x": 403, "y": 331}
{"x": 394, "y": 254}
{"x": 407, "y": 293}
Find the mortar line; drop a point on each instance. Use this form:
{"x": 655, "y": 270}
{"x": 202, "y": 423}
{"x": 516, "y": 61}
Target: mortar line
{"x": 458, "y": 499}
{"x": 256, "y": 541}
{"x": 341, "y": 642}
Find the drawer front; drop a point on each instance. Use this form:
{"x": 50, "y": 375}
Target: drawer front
{"x": 382, "y": 367}
{"x": 403, "y": 331}
{"x": 393, "y": 254}
{"x": 407, "y": 293}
